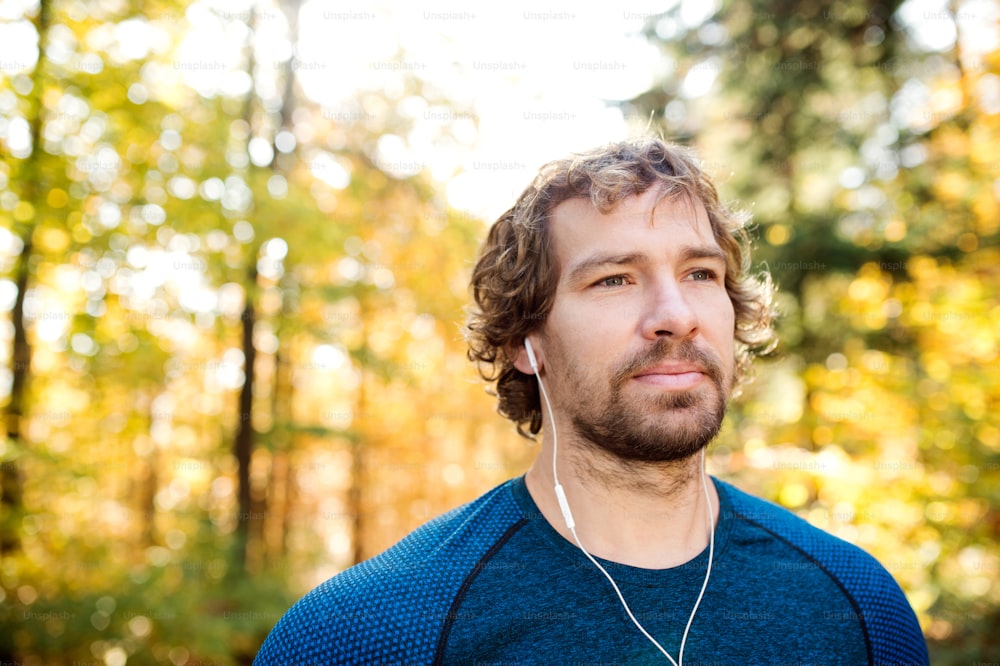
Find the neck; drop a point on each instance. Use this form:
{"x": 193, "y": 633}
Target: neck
{"x": 649, "y": 515}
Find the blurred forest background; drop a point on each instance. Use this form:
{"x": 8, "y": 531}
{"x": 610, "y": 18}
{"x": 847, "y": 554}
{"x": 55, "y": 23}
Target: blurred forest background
{"x": 232, "y": 355}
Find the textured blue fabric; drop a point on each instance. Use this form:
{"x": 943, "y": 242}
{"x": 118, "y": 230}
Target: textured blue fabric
{"x": 889, "y": 623}
{"x": 391, "y": 609}
{"x": 493, "y": 583}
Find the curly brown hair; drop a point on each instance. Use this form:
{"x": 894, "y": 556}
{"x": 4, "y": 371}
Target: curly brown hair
{"x": 514, "y": 280}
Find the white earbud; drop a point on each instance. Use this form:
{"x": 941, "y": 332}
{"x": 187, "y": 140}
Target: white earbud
{"x": 531, "y": 355}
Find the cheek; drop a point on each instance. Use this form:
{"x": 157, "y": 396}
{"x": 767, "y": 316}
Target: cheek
{"x": 718, "y": 313}
{"x": 577, "y": 341}
{"x": 581, "y": 326}
{"x": 723, "y": 327}
{"x": 729, "y": 326}
{"x": 730, "y": 321}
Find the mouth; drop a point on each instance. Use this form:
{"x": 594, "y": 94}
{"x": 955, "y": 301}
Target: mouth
{"x": 672, "y": 376}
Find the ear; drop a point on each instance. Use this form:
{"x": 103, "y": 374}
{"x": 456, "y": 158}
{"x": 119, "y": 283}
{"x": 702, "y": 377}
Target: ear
{"x": 520, "y": 356}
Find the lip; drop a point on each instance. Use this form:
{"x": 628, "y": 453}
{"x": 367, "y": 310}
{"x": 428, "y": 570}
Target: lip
{"x": 675, "y": 376}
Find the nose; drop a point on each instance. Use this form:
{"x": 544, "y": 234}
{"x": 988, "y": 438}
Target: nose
{"x": 668, "y": 312}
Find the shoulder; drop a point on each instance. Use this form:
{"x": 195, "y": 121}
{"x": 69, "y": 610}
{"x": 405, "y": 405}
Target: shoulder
{"x": 889, "y": 623}
{"x": 393, "y": 607}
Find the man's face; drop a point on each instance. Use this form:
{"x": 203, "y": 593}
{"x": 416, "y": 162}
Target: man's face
{"x": 638, "y": 349}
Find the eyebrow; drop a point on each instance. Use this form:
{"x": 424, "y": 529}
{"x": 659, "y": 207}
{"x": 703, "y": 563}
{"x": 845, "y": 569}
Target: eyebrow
{"x": 702, "y": 252}
{"x": 602, "y": 259}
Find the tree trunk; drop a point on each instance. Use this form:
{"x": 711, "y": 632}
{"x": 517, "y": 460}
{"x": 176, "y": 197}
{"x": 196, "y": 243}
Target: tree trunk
{"x": 280, "y": 479}
{"x": 11, "y": 476}
{"x": 148, "y": 486}
{"x": 11, "y": 481}
{"x": 243, "y": 447}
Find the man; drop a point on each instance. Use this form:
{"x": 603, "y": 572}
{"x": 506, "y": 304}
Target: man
{"x": 616, "y": 313}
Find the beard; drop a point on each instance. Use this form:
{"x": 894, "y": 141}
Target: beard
{"x": 662, "y": 428}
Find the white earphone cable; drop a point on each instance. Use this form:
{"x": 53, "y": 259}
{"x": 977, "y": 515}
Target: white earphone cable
{"x": 571, "y": 525}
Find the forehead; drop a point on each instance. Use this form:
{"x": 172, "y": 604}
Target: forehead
{"x": 645, "y": 222}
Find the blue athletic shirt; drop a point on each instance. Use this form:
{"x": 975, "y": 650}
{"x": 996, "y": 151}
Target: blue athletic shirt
{"x": 493, "y": 584}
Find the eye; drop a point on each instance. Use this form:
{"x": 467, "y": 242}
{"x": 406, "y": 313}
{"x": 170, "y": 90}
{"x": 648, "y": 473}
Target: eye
{"x": 704, "y": 275}
{"x": 613, "y": 281}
